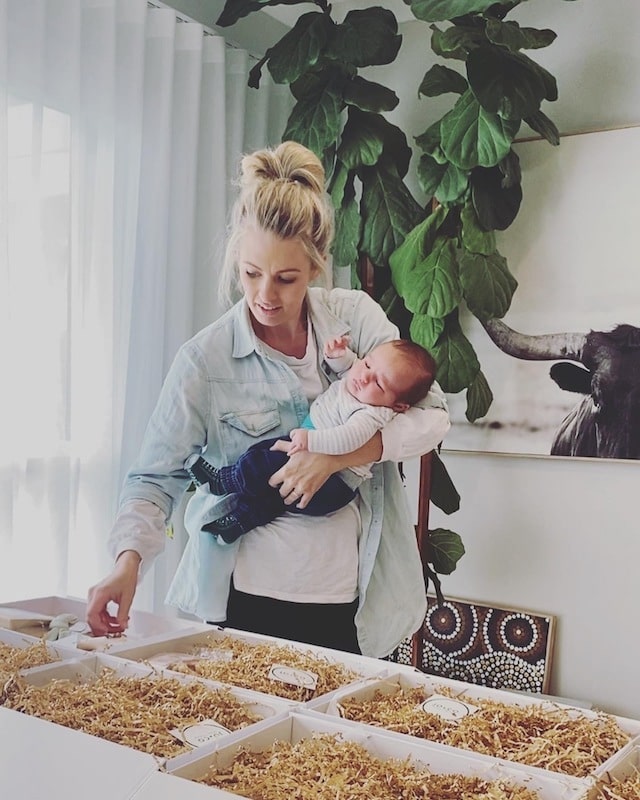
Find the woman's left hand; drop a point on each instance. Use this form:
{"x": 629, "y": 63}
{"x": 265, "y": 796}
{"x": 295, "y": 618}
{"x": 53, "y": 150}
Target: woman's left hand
{"x": 303, "y": 474}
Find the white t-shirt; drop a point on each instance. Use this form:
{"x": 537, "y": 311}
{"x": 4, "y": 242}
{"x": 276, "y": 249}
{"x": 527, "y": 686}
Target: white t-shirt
{"x": 296, "y": 557}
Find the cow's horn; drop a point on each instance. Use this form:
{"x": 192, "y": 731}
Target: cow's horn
{"x": 544, "y": 347}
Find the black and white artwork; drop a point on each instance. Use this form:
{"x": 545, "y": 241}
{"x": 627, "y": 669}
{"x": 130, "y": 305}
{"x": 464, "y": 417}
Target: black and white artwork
{"x": 565, "y": 369}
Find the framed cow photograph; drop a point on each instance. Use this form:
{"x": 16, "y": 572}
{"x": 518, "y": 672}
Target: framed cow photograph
{"x": 564, "y": 363}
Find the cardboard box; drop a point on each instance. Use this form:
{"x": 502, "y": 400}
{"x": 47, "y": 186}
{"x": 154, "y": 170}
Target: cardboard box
{"x": 87, "y": 668}
{"x": 432, "y": 685}
{"x": 298, "y": 725}
{"x": 158, "y": 651}
{"x": 40, "y": 760}
{"x": 32, "y": 616}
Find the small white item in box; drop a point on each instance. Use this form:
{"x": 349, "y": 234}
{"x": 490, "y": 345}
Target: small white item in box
{"x": 136, "y": 727}
{"x": 217, "y": 655}
{"x": 473, "y": 698}
{"x": 300, "y": 727}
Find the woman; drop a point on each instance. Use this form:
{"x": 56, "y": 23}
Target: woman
{"x": 351, "y": 580}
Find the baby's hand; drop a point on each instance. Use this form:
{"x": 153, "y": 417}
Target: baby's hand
{"x": 299, "y": 440}
{"x": 334, "y": 348}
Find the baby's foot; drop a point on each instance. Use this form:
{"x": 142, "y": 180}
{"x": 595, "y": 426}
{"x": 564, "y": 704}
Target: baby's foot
{"x": 202, "y": 472}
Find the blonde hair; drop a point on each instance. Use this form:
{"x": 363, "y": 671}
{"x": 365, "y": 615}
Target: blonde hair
{"x": 282, "y": 191}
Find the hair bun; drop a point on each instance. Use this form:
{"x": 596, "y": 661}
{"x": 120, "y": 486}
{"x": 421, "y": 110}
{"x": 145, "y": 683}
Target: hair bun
{"x": 290, "y": 162}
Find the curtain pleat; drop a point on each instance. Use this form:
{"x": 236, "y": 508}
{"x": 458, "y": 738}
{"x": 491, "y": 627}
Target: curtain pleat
{"x": 120, "y": 131}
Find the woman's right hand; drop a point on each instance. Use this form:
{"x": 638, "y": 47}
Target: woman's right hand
{"x": 303, "y": 474}
{"x": 118, "y": 587}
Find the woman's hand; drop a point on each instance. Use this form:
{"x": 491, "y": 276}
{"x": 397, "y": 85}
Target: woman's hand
{"x": 303, "y": 474}
{"x": 118, "y": 587}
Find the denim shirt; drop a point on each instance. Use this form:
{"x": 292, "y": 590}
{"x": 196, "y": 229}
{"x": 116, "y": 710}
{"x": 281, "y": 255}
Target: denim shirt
{"x": 221, "y": 395}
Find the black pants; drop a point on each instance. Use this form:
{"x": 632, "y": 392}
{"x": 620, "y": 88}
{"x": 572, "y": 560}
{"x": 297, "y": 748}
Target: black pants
{"x": 321, "y": 624}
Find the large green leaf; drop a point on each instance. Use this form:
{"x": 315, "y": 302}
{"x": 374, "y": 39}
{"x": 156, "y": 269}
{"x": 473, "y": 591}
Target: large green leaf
{"x": 415, "y": 247}
{"x": 300, "y": 48}
{"x": 441, "y": 80}
{"x": 456, "y": 41}
{"x": 496, "y": 205}
{"x": 474, "y": 238}
{"x": 389, "y": 212}
{"x": 472, "y": 136}
{"x": 365, "y": 38}
{"x": 369, "y": 96}
{"x": 487, "y": 283}
{"x": 325, "y": 75}
{"x": 445, "y": 550}
{"x": 429, "y": 143}
{"x": 339, "y": 180}
{"x": 425, "y": 330}
{"x": 512, "y": 36}
{"x": 362, "y": 140}
{"x": 504, "y": 83}
{"x": 367, "y": 137}
{"x": 315, "y": 123}
{"x": 433, "y": 287}
{"x": 479, "y": 398}
{"x": 440, "y": 10}
{"x": 444, "y": 181}
{"x": 457, "y": 361}
{"x": 540, "y": 123}
{"x": 444, "y": 494}
{"x": 236, "y": 9}
{"x": 347, "y": 235}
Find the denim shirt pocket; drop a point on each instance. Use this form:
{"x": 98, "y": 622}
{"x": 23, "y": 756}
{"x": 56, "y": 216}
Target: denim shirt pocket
{"x": 253, "y": 423}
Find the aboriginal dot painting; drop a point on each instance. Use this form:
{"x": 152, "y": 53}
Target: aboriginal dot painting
{"x": 497, "y": 647}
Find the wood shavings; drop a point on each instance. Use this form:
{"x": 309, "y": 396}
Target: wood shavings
{"x": 248, "y": 665}
{"x": 13, "y": 659}
{"x": 325, "y": 768}
{"x": 619, "y": 788}
{"x": 548, "y": 737}
{"x": 133, "y": 711}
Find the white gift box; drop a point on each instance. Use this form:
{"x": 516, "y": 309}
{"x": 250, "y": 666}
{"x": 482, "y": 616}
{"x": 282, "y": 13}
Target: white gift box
{"x": 88, "y": 667}
{"x": 298, "y": 725}
{"x": 160, "y": 650}
{"x": 626, "y": 765}
{"x": 433, "y": 685}
{"x": 40, "y": 760}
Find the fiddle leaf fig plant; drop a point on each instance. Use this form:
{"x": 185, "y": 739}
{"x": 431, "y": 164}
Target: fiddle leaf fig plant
{"x": 428, "y": 259}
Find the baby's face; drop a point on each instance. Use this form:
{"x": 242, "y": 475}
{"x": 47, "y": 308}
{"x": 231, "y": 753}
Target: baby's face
{"x": 379, "y": 378}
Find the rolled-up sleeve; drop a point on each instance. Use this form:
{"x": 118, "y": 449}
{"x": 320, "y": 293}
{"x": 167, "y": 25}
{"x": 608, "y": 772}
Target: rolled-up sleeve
{"x": 419, "y": 430}
{"x": 140, "y": 526}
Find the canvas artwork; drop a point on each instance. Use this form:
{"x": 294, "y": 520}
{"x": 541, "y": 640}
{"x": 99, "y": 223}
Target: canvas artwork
{"x": 504, "y": 648}
{"x": 572, "y": 250}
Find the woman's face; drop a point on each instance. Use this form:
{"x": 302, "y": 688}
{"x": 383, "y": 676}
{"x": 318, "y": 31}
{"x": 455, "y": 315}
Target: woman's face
{"x": 275, "y": 274}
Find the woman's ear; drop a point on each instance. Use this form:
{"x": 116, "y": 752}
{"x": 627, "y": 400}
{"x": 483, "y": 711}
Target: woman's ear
{"x": 400, "y": 407}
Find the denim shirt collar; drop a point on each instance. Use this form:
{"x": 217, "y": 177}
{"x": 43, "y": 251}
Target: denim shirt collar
{"x": 324, "y": 322}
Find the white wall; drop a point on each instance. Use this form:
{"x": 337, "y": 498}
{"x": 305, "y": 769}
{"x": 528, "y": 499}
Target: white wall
{"x": 558, "y": 536}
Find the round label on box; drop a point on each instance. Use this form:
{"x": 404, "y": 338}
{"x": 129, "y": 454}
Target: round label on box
{"x": 295, "y": 677}
{"x": 202, "y": 733}
{"x": 447, "y": 707}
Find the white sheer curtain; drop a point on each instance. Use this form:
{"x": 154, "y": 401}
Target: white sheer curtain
{"x": 120, "y": 126}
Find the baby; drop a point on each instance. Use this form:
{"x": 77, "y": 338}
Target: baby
{"x": 387, "y": 381}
